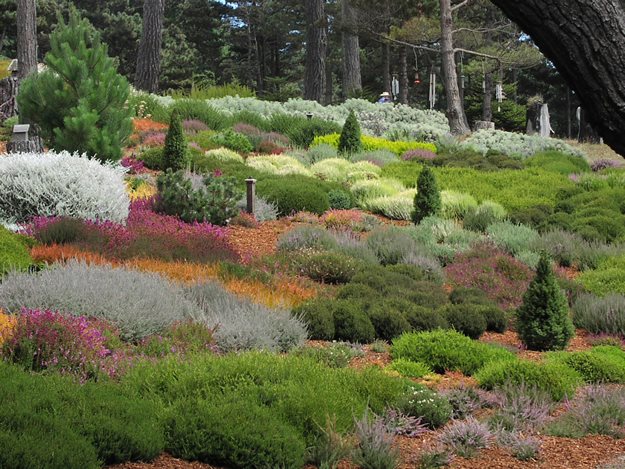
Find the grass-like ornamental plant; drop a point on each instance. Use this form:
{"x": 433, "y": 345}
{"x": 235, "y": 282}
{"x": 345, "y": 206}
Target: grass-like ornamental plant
{"x": 242, "y": 325}
{"x": 61, "y": 184}
{"x": 600, "y": 315}
{"x": 139, "y": 304}
{"x": 427, "y": 202}
{"x": 543, "y": 321}
{"x": 79, "y": 101}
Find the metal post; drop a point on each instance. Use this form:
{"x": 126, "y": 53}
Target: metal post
{"x": 251, "y": 195}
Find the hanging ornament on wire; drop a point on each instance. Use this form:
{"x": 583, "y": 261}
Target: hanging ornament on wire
{"x": 462, "y": 77}
{"x": 417, "y": 78}
{"x": 432, "y": 88}
{"x": 499, "y": 90}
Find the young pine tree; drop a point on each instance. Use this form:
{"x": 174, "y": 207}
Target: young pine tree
{"x": 543, "y": 321}
{"x": 79, "y": 102}
{"x": 428, "y": 200}
{"x": 175, "y": 151}
{"x": 349, "y": 141}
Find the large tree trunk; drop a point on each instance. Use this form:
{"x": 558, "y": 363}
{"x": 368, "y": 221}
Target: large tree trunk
{"x": 586, "y": 42}
{"x": 149, "y": 55}
{"x": 455, "y": 112}
{"x": 386, "y": 73}
{"x": 352, "y": 82}
{"x": 316, "y": 47}
{"x": 487, "y": 102}
{"x": 26, "y": 37}
{"x": 403, "y": 76}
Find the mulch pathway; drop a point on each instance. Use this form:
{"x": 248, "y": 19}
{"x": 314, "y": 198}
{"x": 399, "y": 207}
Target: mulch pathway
{"x": 252, "y": 243}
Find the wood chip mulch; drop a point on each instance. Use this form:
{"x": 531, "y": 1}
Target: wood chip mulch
{"x": 251, "y": 243}
{"x": 164, "y": 461}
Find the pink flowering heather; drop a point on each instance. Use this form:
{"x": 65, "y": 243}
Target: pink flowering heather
{"x": 417, "y": 155}
{"x": 153, "y": 139}
{"x": 135, "y": 166}
{"x": 193, "y": 126}
{"x": 47, "y": 340}
{"x": 149, "y": 234}
{"x": 602, "y": 164}
{"x": 503, "y": 278}
{"x": 247, "y": 129}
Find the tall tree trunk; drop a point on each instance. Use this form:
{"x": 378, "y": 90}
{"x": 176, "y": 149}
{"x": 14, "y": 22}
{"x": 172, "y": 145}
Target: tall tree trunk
{"x": 386, "y": 74}
{"x": 403, "y": 76}
{"x": 26, "y": 37}
{"x": 455, "y": 112}
{"x": 329, "y": 84}
{"x": 487, "y": 103}
{"x": 149, "y": 54}
{"x": 586, "y": 42}
{"x": 352, "y": 82}
{"x": 316, "y": 47}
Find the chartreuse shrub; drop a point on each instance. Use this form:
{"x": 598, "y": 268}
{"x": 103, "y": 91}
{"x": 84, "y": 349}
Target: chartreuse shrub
{"x": 87, "y": 425}
{"x": 294, "y": 194}
{"x": 427, "y": 202}
{"x": 409, "y": 369}
{"x": 79, "y": 101}
{"x": 447, "y": 351}
{"x": 175, "y": 150}
{"x": 257, "y": 410}
{"x": 376, "y": 143}
{"x": 607, "y": 278}
{"x": 14, "y": 255}
{"x": 558, "y": 162}
{"x": 557, "y": 379}
{"x": 604, "y": 364}
{"x": 543, "y": 321}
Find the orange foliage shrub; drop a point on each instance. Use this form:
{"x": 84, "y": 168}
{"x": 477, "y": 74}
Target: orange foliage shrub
{"x": 285, "y": 294}
{"x": 63, "y": 252}
{"x": 185, "y": 272}
{"x": 7, "y": 326}
{"x": 147, "y": 125}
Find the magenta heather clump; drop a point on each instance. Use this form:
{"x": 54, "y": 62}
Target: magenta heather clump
{"x": 47, "y": 340}
{"x": 135, "y": 166}
{"x": 247, "y": 129}
{"x": 193, "y": 126}
{"x": 424, "y": 155}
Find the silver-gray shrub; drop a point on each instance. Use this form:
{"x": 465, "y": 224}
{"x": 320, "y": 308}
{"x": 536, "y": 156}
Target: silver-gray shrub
{"x": 318, "y": 153}
{"x": 63, "y": 184}
{"x": 600, "y": 315}
{"x": 570, "y": 249}
{"x": 303, "y": 237}
{"x": 379, "y": 157}
{"x": 242, "y": 325}
{"x": 350, "y": 244}
{"x": 392, "y": 244}
{"x": 138, "y": 303}
{"x": 263, "y": 209}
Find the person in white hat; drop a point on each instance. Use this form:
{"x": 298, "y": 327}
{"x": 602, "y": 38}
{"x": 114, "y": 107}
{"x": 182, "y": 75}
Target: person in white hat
{"x": 385, "y": 98}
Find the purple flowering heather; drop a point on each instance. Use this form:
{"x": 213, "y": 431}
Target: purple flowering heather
{"x": 417, "y": 155}
{"x": 605, "y": 164}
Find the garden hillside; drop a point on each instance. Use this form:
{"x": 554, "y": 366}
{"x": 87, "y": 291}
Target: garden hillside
{"x": 244, "y": 283}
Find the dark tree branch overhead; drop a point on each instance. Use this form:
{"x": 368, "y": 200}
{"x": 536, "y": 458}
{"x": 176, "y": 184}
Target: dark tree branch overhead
{"x": 586, "y": 42}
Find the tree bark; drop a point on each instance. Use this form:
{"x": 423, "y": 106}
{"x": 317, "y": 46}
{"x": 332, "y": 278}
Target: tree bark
{"x": 329, "y": 84}
{"x": 26, "y": 37}
{"x": 149, "y": 55}
{"x": 455, "y": 112}
{"x": 487, "y": 103}
{"x": 316, "y": 47}
{"x": 586, "y": 42}
{"x": 352, "y": 81}
{"x": 403, "y": 76}
{"x": 386, "y": 79}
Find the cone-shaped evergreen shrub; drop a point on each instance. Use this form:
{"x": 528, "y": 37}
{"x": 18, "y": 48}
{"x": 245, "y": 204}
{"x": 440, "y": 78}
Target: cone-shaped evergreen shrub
{"x": 427, "y": 202}
{"x": 543, "y": 321}
{"x": 175, "y": 151}
{"x": 349, "y": 141}
{"x": 79, "y": 102}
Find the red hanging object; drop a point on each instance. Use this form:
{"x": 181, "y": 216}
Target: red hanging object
{"x": 417, "y": 79}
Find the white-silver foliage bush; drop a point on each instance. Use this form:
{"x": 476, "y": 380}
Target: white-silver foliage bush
{"x": 61, "y": 184}
{"x": 263, "y": 209}
{"x": 242, "y": 325}
{"x": 516, "y": 145}
{"x": 138, "y": 303}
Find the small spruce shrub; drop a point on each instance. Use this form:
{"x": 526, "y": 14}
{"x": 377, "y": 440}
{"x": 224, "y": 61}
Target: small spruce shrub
{"x": 349, "y": 141}
{"x": 543, "y": 321}
{"x": 427, "y": 202}
{"x": 175, "y": 150}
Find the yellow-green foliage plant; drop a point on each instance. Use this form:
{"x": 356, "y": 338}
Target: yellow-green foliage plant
{"x": 278, "y": 164}
{"x": 224, "y": 154}
{"x": 370, "y": 143}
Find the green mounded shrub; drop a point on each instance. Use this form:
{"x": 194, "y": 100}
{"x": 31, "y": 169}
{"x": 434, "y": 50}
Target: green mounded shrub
{"x": 153, "y": 158}
{"x": 351, "y": 323}
{"x": 463, "y": 295}
{"x": 409, "y": 369}
{"x": 349, "y": 141}
{"x": 189, "y": 109}
{"x": 233, "y": 141}
{"x": 63, "y": 230}
{"x": 292, "y": 195}
{"x": 607, "y": 278}
{"x": 558, "y": 162}
{"x": 421, "y": 402}
{"x": 175, "y": 150}
{"x": 221, "y": 432}
{"x": 340, "y": 199}
{"x": 593, "y": 366}
{"x": 558, "y": 380}
{"x": 319, "y": 318}
{"x": 467, "y": 319}
{"x": 327, "y": 267}
{"x": 300, "y": 130}
{"x": 543, "y": 321}
{"x": 427, "y": 202}
{"x": 425, "y": 319}
{"x": 448, "y": 351}
{"x": 13, "y": 253}
{"x": 334, "y": 355}
{"x": 496, "y": 318}
{"x": 388, "y": 323}
{"x": 79, "y": 101}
